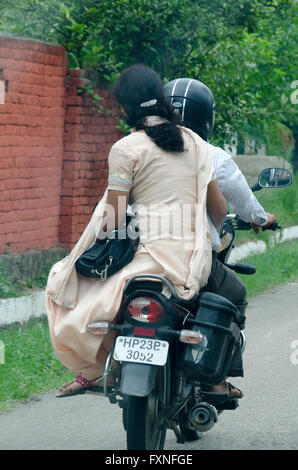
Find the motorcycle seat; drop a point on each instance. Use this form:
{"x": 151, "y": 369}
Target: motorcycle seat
{"x": 155, "y": 286}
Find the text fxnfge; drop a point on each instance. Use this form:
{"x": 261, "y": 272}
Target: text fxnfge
{"x": 151, "y": 459}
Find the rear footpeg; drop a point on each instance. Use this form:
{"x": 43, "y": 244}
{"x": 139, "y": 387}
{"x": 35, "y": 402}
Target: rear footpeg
{"x": 230, "y": 404}
{"x": 221, "y": 401}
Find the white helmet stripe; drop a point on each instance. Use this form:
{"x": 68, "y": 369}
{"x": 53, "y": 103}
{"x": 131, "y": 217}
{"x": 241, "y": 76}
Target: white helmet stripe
{"x": 173, "y": 90}
{"x": 184, "y": 100}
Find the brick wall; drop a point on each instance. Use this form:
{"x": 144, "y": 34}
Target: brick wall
{"x": 53, "y": 148}
{"x": 89, "y": 135}
{"x": 31, "y": 143}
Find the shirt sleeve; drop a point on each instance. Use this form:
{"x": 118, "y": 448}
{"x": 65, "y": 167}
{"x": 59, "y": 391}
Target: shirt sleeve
{"x": 213, "y": 177}
{"x": 235, "y": 189}
{"x": 120, "y": 170}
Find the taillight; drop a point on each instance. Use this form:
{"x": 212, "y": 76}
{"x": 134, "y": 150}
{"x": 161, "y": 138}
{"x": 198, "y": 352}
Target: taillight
{"x": 146, "y": 310}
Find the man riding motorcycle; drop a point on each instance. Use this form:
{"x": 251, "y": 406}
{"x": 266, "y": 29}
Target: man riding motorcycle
{"x": 194, "y": 101}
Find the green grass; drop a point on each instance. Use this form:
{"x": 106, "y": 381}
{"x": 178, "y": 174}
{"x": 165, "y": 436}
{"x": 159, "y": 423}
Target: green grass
{"x": 283, "y": 202}
{"x": 30, "y": 365}
{"x": 277, "y": 266}
{"x": 7, "y": 287}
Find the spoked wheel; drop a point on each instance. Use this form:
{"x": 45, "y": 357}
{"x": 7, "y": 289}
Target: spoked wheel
{"x": 144, "y": 416}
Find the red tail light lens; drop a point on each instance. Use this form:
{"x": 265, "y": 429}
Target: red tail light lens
{"x": 146, "y": 310}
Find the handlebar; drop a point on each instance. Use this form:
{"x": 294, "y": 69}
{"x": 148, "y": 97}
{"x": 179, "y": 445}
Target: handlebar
{"x": 273, "y": 226}
{"x": 236, "y": 223}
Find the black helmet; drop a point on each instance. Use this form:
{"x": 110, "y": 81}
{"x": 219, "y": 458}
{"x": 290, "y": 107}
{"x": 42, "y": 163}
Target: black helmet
{"x": 195, "y": 102}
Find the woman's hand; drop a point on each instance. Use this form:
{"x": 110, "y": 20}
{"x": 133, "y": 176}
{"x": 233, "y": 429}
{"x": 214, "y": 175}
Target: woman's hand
{"x": 115, "y": 212}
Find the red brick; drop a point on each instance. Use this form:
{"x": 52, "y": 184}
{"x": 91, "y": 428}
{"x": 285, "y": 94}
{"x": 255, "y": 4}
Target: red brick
{"x": 75, "y": 73}
{"x": 54, "y": 92}
{"x": 10, "y": 108}
{"x": 38, "y": 152}
{"x": 73, "y": 119}
{"x": 53, "y": 71}
{"x": 73, "y": 147}
{"x": 74, "y": 100}
{"x": 32, "y": 67}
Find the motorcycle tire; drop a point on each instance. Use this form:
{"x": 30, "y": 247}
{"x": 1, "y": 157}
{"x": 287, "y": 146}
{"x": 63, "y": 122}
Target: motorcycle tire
{"x": 145, "y": 425}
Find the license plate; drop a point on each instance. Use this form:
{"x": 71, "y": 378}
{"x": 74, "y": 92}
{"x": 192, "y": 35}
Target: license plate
{"x": 142, "y": 350}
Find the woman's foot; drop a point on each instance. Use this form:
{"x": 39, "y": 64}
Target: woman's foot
{"x": 80, "y": 385}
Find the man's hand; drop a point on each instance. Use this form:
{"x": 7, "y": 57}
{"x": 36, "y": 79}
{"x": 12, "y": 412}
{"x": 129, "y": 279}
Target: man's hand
{"x": 270, "y": 219}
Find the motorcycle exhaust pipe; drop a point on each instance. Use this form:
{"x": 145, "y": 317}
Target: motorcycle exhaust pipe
{"x": 203, "y": 417}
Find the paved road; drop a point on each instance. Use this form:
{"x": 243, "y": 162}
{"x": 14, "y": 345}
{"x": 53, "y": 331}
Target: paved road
{"x": 266, "y": 419}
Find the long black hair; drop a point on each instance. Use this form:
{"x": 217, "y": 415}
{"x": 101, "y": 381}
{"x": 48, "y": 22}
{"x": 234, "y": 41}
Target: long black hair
{"x": 140, "y": 91}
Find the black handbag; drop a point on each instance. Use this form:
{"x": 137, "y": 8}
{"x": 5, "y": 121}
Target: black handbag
{"x": 108, "y": 256}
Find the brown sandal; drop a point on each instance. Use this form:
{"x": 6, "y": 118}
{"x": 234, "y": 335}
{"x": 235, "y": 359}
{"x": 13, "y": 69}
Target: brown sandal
{"x": 238, "y": 393}
{"x": 217, "y": 398}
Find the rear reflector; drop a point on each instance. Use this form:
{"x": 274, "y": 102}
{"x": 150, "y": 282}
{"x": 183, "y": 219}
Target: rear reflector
{"x": 146, "y": 310}
{"x": 191, "y": 337}
{"x": 144, "y": 332}
{"x": 98, "y": 328}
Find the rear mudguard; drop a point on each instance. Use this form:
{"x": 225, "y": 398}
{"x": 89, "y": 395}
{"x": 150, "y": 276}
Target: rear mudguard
{"x": 137, "y": 379}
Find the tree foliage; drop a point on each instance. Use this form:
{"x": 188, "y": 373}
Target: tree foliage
{"x": 243, "y": 50}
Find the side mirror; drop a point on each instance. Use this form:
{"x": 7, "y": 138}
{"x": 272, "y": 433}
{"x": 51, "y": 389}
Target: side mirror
{"x": 274, "y": 178}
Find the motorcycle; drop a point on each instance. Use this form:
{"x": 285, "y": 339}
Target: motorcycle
{"x": 169, "y": 349}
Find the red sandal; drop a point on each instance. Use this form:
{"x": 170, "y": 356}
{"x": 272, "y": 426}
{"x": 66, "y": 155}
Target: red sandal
{"x": 87, "y": 386}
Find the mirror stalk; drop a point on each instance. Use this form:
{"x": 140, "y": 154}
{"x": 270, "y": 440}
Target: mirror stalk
{"x": 256, "y": 187}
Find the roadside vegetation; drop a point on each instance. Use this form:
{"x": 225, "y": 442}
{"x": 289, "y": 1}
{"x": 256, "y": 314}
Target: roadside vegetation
{"x": 31, "y": 367}
{"x": 7, "y": 287}
{"x": 10, "y": 288}
{"x": 283, "y": 202}
{"x": 276, "y": 267}
{"x": 244, "y": 50}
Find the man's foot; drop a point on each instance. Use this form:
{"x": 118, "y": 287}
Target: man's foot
{"x": 226, "y": 388}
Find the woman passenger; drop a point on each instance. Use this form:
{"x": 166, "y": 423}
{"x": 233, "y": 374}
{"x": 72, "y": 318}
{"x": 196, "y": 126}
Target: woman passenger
{"x": 165, "y": 173}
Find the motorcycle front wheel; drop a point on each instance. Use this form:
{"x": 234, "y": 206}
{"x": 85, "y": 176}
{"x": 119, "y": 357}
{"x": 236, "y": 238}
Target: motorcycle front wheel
{"x": 145, "y": 423}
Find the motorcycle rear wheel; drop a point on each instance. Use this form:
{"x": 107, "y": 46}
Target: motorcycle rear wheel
{"x": 145, "y": 424}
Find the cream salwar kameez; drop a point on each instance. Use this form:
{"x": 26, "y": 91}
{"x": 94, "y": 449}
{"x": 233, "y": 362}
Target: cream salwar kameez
{"x": 168, "y": 192}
